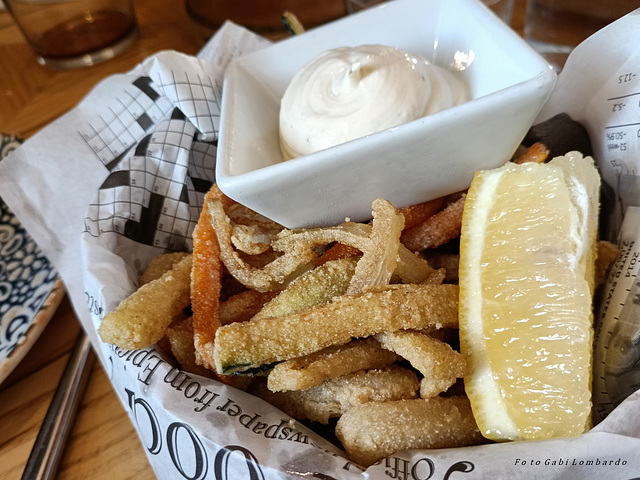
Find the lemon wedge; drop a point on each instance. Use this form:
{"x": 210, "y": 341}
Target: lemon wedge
{"x": 527, "y": 256}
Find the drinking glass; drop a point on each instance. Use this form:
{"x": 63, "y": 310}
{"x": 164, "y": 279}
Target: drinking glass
{"x": 555, "y": 27}
{"x": 74, "y": 33}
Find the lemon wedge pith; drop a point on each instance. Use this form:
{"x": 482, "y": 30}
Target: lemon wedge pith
{"x": 527, "y": 257}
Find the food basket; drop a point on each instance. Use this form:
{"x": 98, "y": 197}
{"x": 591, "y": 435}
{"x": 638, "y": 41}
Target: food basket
{"x": 195, "y": 427}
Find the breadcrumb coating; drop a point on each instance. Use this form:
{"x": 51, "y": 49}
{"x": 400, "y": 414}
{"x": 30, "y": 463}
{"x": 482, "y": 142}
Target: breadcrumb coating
{"x": 374, "y": 430}
{"x": 246, "y": 345}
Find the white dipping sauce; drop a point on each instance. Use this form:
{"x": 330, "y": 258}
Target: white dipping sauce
{"x": 350, "y": 92}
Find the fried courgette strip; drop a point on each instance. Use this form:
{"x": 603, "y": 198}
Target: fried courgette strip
{"x": 311, "y": 370}
{"x": 314, "y": 287}
{"x": 243, "y": 346}
{"x": 334, "y": 397}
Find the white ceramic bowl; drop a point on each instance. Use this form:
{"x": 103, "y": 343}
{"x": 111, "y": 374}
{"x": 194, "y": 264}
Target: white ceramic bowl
{"x": 415, "y": 162}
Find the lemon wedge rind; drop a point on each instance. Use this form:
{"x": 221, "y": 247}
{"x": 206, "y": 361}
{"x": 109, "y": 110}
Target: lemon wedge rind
{"x": 479, "y": 377}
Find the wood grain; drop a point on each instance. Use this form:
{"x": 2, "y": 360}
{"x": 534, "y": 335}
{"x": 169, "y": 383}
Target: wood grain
{"x": 103, "y": 444}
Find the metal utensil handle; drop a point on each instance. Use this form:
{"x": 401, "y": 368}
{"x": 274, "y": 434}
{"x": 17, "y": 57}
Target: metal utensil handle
{"x": 45, "y": 454}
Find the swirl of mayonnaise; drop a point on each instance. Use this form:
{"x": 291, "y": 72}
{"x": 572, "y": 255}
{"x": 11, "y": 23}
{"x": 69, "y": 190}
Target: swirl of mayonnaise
{"x": 351, "y": 92}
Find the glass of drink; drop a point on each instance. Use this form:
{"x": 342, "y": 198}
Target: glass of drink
{"x": 502, "y": 8}
{"x": 263, "y": 16}
{"x": 555, "y": 27}
{"x": 75, "y": 33}
{"x": 354, "y": 6}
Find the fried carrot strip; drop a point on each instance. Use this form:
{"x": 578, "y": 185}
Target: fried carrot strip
{"x": 336, "y": 252}
{"x": 537, "y": 153}
{"x": 437, "y": 229}
{"x": 206, "y": 283}
{"x": 416, "y": 214}
{"x": 607, "y": 253}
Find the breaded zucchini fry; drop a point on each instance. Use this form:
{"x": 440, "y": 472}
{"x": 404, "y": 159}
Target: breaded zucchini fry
{"x": 311, "y": 370}
{"x": 333, "y": 397}
{"x": 375, "y": 385}
{"x": 314, "y": 287}
{"x": 242, "y": 346}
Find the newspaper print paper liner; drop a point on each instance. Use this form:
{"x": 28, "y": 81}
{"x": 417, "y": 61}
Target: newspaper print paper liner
{"x": 30, "y": 290}
{"x": 159, "y": 161}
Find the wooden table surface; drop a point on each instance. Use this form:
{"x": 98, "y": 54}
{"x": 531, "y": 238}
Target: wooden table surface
{"x": 103, "y": 443}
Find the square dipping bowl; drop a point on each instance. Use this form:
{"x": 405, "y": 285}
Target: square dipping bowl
{"x": 414, "y": 162}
